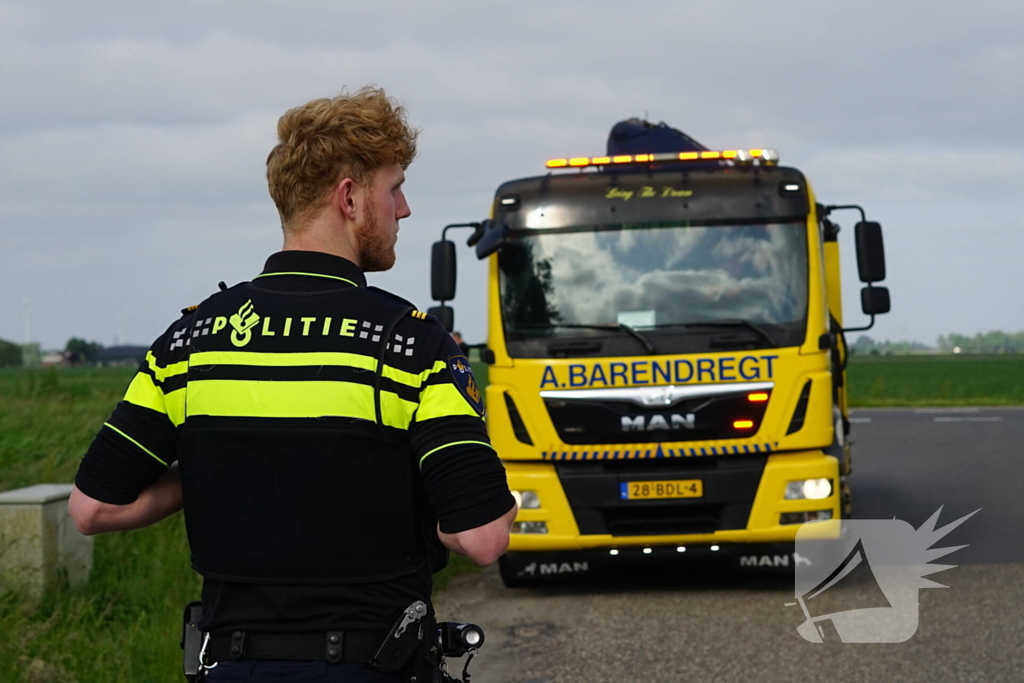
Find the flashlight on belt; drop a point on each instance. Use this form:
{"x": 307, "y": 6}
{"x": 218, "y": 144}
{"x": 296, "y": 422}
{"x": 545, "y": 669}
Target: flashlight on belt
{"x": 457, "y": 639}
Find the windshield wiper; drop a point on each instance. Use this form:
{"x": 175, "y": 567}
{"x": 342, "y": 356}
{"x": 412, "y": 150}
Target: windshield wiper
{"x": 610, "y": 326}
{"x": 736, "y": 322}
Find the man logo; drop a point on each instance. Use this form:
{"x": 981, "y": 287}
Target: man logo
{"x": 862, "y": 586}
{"x": 564, "y": 568}
{"x": 764, "y": 561}
{"x": 654, "y": 423}
{"x": 554, "y": 568}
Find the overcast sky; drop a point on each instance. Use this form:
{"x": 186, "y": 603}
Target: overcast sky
{"x": 133, "y": 135}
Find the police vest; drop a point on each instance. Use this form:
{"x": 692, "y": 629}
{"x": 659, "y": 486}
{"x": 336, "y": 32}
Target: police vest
{"x": 294, "y": 457}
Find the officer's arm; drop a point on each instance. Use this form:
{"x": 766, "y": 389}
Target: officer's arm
{"x": 484, "y": 544}
{"x": 156, "y": 502}
{"x": 125, "y": 480}
{"x": 464, "y": 479}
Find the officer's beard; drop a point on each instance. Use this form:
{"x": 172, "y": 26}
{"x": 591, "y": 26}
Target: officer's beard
{"x": 376, "y": 248}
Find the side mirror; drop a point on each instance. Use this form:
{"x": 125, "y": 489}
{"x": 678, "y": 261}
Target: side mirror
{"x": 445, "y": 315}
{"x": 492, "y": 238}
{"x": 870, "y": 251}
{"x": 442, "y": 271}
{"x": 875, "y": 300}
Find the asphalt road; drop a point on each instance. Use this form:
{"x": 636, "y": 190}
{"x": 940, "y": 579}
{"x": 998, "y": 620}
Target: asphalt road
{"x": 736, "y": 627}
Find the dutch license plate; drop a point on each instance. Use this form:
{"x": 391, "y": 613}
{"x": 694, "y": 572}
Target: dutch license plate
{"x": 654, "y": 490}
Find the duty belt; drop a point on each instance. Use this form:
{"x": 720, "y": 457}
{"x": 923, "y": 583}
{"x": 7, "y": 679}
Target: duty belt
{"x": 349, "y": 647}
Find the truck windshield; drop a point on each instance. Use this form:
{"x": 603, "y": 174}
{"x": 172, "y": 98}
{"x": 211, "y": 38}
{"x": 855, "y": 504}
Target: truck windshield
{"x": 664, "y": 281}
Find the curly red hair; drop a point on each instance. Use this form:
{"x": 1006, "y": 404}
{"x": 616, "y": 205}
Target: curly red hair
{"x": 326, "y": 140}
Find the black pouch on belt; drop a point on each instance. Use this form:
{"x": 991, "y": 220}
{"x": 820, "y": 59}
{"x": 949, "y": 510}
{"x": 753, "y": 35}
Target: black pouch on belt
{"x": 191, "y": 641}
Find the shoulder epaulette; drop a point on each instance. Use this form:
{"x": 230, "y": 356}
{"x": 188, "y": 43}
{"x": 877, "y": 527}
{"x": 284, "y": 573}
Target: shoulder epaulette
{"x": 220, "y": 286}
{"x": 419, "y": 315}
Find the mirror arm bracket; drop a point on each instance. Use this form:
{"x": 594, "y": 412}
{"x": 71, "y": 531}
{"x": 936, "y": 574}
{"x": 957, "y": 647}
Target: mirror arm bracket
{"x": 471, "y": 241}
{"x": 863, "y": 216}
{"x": 475, "y": 226}
{"x": 861, "y": 329}
{"x": 842, "y": 207}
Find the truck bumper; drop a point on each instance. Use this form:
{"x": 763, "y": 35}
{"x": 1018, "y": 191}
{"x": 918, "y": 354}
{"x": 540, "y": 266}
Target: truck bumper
{"x": 532, "y": 568}
{"x": 583, "y": 510}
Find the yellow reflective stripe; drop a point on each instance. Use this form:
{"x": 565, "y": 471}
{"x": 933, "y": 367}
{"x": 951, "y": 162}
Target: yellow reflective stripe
{"x": 170, "y": 371}
{"x": 151, "y": 453}
{"x": 454, "y": 443}
{"x": 311, "y": 274}
{"x": 443, "y": 400}
{"x": 284, "y": 360}
{"x": 142, "y": 392}
{"x": 439, "y": 365}
{"x": 246, "y": 398}
{"x": 175, "y": 402}
{"x": 281, "y": 360}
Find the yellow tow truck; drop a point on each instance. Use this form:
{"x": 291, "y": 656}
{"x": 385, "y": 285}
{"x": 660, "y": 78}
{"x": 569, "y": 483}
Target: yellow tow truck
{"x": 666, "y": 354}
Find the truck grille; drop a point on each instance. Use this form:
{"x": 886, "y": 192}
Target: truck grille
{"x": 729, "y": 484}
{"x": 702, "y": 418}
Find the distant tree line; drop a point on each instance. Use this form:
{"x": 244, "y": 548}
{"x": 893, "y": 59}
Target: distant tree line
{"x": 75, "y": 351}
{"x": 81, "y": 351}
{"x": 865, "y": 345}
{"x": 995, "y": 341}
{"x": 10, "y": 354}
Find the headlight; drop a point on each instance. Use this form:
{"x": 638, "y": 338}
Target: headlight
{"x": 809, "y": 489}
{"x": 527, "y": 500}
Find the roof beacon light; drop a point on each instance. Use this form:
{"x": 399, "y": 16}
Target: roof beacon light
{"x": 762, "y": 157}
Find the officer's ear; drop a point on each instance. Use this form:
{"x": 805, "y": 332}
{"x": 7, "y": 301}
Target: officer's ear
{"x": 347, "y": 199}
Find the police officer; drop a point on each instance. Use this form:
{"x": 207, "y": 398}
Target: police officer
{"x": 325, "y": 439}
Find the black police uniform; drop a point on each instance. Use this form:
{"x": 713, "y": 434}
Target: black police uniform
{"x": 322, "y": 430}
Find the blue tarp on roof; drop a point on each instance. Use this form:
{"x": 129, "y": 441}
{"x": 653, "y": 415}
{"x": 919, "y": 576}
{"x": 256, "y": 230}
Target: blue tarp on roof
{"x": 636, "y": 136}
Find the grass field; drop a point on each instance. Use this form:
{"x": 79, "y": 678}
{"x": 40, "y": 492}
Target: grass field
{"x": 124, "y": 624}
{"x": 936, "y": 380}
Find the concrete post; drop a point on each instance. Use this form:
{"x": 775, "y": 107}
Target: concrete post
{"x": 39, "y": 545}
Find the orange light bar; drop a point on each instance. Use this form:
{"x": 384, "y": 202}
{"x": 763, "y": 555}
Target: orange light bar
{"x": 743, "y": 424}
{"x": 759, "y": 397}
{"x": 738, "y": 156}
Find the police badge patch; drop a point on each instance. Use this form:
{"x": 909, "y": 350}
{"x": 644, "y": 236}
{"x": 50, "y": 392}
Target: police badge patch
{"x": 462, "y": 373}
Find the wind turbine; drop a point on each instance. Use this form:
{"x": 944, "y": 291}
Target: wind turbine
{"x": 28, "y": 323}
